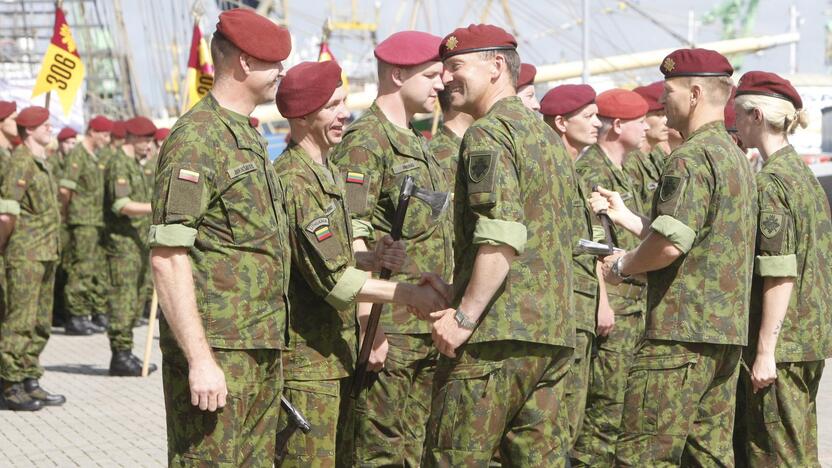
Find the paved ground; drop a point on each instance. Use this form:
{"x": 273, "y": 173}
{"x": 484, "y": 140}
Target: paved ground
{"x": 121, "y": 421}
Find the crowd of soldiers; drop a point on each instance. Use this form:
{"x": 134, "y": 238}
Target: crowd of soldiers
{"x": 698, "y": 341}
{"x": 74, "y": 219}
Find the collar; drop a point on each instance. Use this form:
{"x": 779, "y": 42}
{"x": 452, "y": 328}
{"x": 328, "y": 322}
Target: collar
{"x": 405, "y": 141}
{"x": 325, "y": 174}
{"x": 238, "y": 125}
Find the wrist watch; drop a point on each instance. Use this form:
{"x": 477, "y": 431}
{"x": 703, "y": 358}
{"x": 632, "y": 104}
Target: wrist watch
{"x": 463, "y": 321}
{"x": 616, "y": 269}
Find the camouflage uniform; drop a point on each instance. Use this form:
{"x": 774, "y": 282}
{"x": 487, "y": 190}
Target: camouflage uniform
{"x": 87, "y": 286}
{"x": 146, "y": 277}
{"x": 217, "y": 194}
{"x": 612, "y": 354}
{"x": 644, "y": 171}
{"x": 374, "y": 157}
{"x": 445, "y": 146}
{"x": 516, "y": 186}
{"x": 125, "y": 243}
{"x": 681, "y": 388}
{"x": 777, "y": 426}
{"x": 323, "y": 286}
{"x": 29, "y": 192}
{"x": 5, "y": 206}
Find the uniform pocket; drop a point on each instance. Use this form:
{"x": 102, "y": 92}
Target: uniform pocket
{"x": 660, "y": 383}
{"x": 249, "y": 207}
{"x": 468, "y": 420}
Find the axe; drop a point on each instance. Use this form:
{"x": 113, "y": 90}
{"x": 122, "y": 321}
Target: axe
{"x": 296, "y": 421}
{"x": 438, "y": 203}
{"x": 606, "y": 223}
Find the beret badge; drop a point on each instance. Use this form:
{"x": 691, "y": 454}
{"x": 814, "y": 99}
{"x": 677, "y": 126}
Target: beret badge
{"x": 668, "y": 64}
{"x": 451, "y": 43}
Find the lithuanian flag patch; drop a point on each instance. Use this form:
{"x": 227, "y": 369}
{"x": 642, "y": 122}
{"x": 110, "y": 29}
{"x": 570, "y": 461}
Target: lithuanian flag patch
{"x": 190, "y": 176}
{"x": 355, "y": 178}
{"x": 323, "y": 233}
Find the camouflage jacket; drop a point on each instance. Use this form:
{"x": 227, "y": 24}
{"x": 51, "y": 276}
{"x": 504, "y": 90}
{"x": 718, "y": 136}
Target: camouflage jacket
{"x": 124, "y": 183}
{"x": 31, "y": 195}
{"x": 585, "y": 280}
{"x": 705, "y": 205}
{"x": 324, "y": 281}
{"x": 445, "y": 146}
{"x": 644, "y": 174}
{"x": 149, "y": 170}
{"x": 794, "y": 239}
{"x": 84, "y": 176}
{"x": 374, "y": 157}
{"x": 6, "y": 206}
{"x": 517, "y": 186}
{"x": 217, "y": 194}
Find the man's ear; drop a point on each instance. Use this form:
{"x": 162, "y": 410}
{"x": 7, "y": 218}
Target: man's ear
{"x": 560, "y": 123}
{"x": 398, "y": 76}
{"x": 244, "y": 62}
{"x": 697, "y": 94}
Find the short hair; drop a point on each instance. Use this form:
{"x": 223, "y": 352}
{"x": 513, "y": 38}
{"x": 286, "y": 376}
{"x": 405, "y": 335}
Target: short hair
{"x": 512, "y": 62}
{"x": 606, "y": 125}
{"x": 221, "y": 50}
{"x": 780, "y": 114}
{"x": 717, "y": 88}
{"x": 21, "y": 132}
{"x": 444, "y": 99}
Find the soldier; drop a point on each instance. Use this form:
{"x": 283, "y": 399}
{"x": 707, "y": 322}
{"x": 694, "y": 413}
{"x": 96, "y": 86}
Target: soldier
{"x": 378, "y": 150}
{"x": 325, "y": 284}
{"x": 622, "y": 115}
{"x": 525, "y": 86}
{"x": 445, "y": 143}
{"x": 698, "y": 253}
{"x": 508, "y": 344}
{"x": 8, "y": 131}
{"x": 82, "y": 192}
{"x": 220, "y": 258}
{"x": 67, "y": 139}
{"x": 570, "y": 111}
{"x": 126, "y": 221}
{"x": 645, "y": 165}
{"x": 790, "y": 333}
{"x": 29, "y": 236}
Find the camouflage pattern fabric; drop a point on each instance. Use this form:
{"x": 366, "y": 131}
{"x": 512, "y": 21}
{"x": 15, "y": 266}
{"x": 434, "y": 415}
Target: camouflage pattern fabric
{"x": 27, "y": 324}
{"x": 243, "y": 432}
{"x": 679, "y": 406}
{"x": 391, "y": 415}
{"x": 146, "y": 275}
{"x": 609, "y": 365}
{"x": 5, "y": 157}
{"x": 778, "y": 426}
{"x": 516, "y": 186}
{"x": 501, "y": 397}
{"x": 645, "y": 174}
{"x": 578, "y": 378}
{"x": 319, "y": 401}
{"x": 84, "y": 176}
{"x": 445, "y": 146}
{"x": 374, "y": 157}
{"x": 87, "y": 285}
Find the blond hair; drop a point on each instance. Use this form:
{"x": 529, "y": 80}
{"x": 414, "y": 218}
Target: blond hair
{"x": 780, "y": 114}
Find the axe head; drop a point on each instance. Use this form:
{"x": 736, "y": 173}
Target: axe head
{"x": 438, "y": 201}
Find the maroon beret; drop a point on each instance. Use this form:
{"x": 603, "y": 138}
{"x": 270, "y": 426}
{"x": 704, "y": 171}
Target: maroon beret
{"x": 730, "y": 113}
{"x": 408, "y": 48}
{"x": 254, "y": 122}
{"x": 161, "y": 134}
{"x": 140, "y": 126}
{"x": 652, "y": 93}
{"x": 527, "y": 74}
{"x": 307, "y": 87}
{"x": 119, "y": 130}
{"x": 769, "y": 84}
{"x": 476, "y": 38}
{"x": 695, "y": 62}
{"x": 566, "y": 99}
{"x": 67, "y": 133}
{"x": 32, "y": 117}
{"x": 99, "y": 123}
{"x": 7, "y": 108}
{"x": 255, "y": 35}
{"x": 621, "y": 104}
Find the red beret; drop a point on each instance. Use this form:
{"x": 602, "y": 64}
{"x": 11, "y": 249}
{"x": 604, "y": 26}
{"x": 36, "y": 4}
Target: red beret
{"x": 255, "y": 35}
{"x": 730, "y": 113}
{"x": 695, "y": 62}
{"x": 476, "y": 38}
{"x": 566, "y": 99}
{"x": 652, "y": 93}
{"x": 621, "y": 104}
{"x": 769, "y": 84}
{"x": 99, "y": 123}
{"x": 408, "y": 48}
{"x": 161, "y": 134}
{"x": 307, "y": 87}
{"x": 527, "y": 74}
{"x": 119, "y": 130}
{"x": 7, "y": 108}
{"x": 140, "y": 126}
{"x": 254, "y": 122}
{"x": 31, "y": 117}
{"x": 67, "y": 133}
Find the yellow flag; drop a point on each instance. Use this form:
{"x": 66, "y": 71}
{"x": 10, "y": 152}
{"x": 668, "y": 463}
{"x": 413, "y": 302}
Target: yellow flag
{"x": 200, "y": 75}
{"x": 62, "y": 70}
{"x": 325, "y": 55}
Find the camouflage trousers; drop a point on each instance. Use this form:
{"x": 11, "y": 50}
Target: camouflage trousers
{"x": 679, "y": 406}
{"x": 610, "y": 361}
{"x": 321, "y": 403}
{"x": 243, "y": 432}
{"x": 501, "y": 397}
{"x": 27, "y": 323}
{"x": 58, "y": 303}
{"x": 391, "y": 414}
{"x": 125, "y": 271}
{"x": 86, "y": 287}
{"x": 578, "y": 383}
{"x": 778, "y": 425}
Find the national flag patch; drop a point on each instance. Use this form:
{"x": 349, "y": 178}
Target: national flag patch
{"x": 355, "y": 178}
{"x": 21, "y": 182}
{"x": 190, "y": 176}
{"x": 323, "y": 233}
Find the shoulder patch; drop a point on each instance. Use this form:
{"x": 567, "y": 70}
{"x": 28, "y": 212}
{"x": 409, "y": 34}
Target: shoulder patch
{"x": 479, "y": 165}
{"x": 355, "y": 177}
{"x": 242, "y": 169}
{"x": 317, "y": 223}
{"x": 189, "y": 176}
{"x": 670, "y": 185}
{"x": 771, "y": 224}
